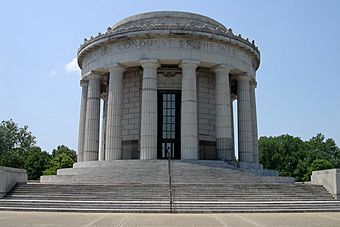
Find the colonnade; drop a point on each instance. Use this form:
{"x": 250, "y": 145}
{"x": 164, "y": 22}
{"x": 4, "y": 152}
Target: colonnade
{"x": 111, "y": 148}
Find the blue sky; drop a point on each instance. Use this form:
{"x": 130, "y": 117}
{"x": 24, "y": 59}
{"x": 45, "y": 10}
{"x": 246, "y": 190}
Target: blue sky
{"x": 298, "y": 81}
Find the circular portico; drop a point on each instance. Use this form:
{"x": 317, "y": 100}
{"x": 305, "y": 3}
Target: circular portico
{"x": 168, "y": 81}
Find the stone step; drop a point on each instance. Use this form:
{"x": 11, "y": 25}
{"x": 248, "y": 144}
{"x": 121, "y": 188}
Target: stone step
{"x": 180, "y": 192}
{"x": 142, "y": 186}
{"x": 178, "y": 207}
{"x": 156, "y": 171}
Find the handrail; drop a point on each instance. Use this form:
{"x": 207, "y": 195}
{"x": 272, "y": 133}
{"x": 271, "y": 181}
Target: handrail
{"x": 170, "y": 185}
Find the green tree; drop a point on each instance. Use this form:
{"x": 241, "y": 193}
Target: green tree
{"x": 13, "y": 137}
{"x": 318, "y": 164}
{"x": 62, "y": 157}
{"x": 36, "y": 162}
{"x": 296, "y": 158}
{"x": 17, "y": 149}
{"x": 12, "y": 158}
{"x": 15, "y": 142}
{"x": 281, "y": 153}
{"x": 300, "y": 171}
{"x": 320, "y": 148}
{"x": 64, "y": 149}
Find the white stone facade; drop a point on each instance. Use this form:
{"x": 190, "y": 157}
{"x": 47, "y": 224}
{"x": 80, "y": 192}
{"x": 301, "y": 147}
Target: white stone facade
{"x": 131, "y": 105}
{"x": 206, "y": 105}
{"x": 168, "y": 81}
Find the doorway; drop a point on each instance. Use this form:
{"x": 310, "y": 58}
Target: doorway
{"x": 169, "y": 125}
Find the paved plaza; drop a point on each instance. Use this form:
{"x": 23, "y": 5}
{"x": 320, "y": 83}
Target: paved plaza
{"x": 12, "y": 218}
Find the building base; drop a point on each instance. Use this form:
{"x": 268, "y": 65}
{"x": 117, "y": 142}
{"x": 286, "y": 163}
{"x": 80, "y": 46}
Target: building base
{"x": 156, "y": 172}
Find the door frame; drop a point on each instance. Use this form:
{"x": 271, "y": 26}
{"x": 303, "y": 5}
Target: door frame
{"x": 177, "y": 140}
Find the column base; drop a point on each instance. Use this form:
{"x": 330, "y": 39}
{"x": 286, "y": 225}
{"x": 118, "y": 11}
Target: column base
{"x": 254, "y": 168}
{"x": 224, "y": 147}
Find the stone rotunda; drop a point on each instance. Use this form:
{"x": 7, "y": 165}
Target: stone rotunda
{"x": 158, "y": 85}
{"x": 165, "y": 82}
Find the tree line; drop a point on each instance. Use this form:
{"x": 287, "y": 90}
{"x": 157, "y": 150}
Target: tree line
{"x": 289, "y": 155}
{"x": 18, "y": 149}
{"x": 293, "y": 157}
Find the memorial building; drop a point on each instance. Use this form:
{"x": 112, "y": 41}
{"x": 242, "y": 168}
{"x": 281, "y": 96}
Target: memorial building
{"x": 168, "y": 81}
{"x": 162, "y": 85}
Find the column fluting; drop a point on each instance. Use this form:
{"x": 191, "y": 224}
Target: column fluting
{"x": 245, "y": 137}
{"x": 91, "y": 145}
{"x": 189, "y": 138}
{"x": 82, "y": 121}
{"x": 113, "y": 147}
{"x": 148, "y": 147}
{"x": 224, "y": 143}
{"x": 254, "y": 121}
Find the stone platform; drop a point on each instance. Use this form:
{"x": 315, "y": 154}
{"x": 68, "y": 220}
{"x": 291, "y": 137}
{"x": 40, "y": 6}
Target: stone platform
{"x": 142, "y": 186}
{"x": 156, "y": 172}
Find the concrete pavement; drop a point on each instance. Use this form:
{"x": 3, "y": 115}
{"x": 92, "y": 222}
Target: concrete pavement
{"x": 12, "y": 218}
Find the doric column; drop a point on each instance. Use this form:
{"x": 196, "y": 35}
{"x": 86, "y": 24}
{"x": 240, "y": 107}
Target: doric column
{"x": 189, "y": 140}
{"x": 113, "y": 147}
{"x": 82, "y": 119}
{"x": 223, "y": 127}
{"x": 245, "y": 137}
{"x": 148, "y": 147}
{"x": 103, "y": 132}
{"x": 91, "y": 147}
{"x": 254, "y": 121}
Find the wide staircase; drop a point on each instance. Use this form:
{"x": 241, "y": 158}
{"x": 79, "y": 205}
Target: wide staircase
{"x": 196, "y": 187}
{"x": 156, "y": 172}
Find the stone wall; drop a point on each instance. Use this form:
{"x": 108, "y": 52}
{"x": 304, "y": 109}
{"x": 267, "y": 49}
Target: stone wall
{"x": 206, "y": 105}
{"x": 9, "y": 177}
{"x": 131, "y": 112}
{"x": 206, "y": 114}
{"x": 168, "y": 79}
{"x": 329, "y": 179}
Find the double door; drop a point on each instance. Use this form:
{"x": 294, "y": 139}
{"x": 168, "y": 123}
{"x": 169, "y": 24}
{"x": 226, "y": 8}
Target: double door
{"x": 169, "y": 104}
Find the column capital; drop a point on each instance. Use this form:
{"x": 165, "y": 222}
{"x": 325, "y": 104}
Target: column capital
{"x": 253, "y": 83}
{"x": 116, "y": 68}
{"x": 91, "y": 75}
{"x": 189, "y": 64}
{"x": 221, "y": 68}
{"x": 84, "y": 83}
{"x": 243, "y": 76}
{"x": 149, "y": 63}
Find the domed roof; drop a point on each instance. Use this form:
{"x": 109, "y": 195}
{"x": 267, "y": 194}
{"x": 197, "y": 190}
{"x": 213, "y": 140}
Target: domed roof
{"x": 168, "y": 23}
{"x": 169, "y": 20}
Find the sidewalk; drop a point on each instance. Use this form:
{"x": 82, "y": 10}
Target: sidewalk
{"x": 12, "y": 218}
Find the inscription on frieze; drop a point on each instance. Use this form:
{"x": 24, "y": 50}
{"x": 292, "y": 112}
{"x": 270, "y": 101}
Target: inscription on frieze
{"x": 170, "y": 43}
{"x": 167, "y": 43}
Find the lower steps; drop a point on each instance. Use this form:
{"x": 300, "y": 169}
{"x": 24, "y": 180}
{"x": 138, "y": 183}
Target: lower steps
{"x": 187, "y": 198}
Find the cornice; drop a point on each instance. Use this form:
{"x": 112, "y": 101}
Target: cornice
{"x": 167, "y": 26}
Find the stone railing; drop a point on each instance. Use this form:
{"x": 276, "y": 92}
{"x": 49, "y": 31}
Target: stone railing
{"x": 9, "y": 177}
{"x": 330, "y": 179}
{"x": 189, "y": 27}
